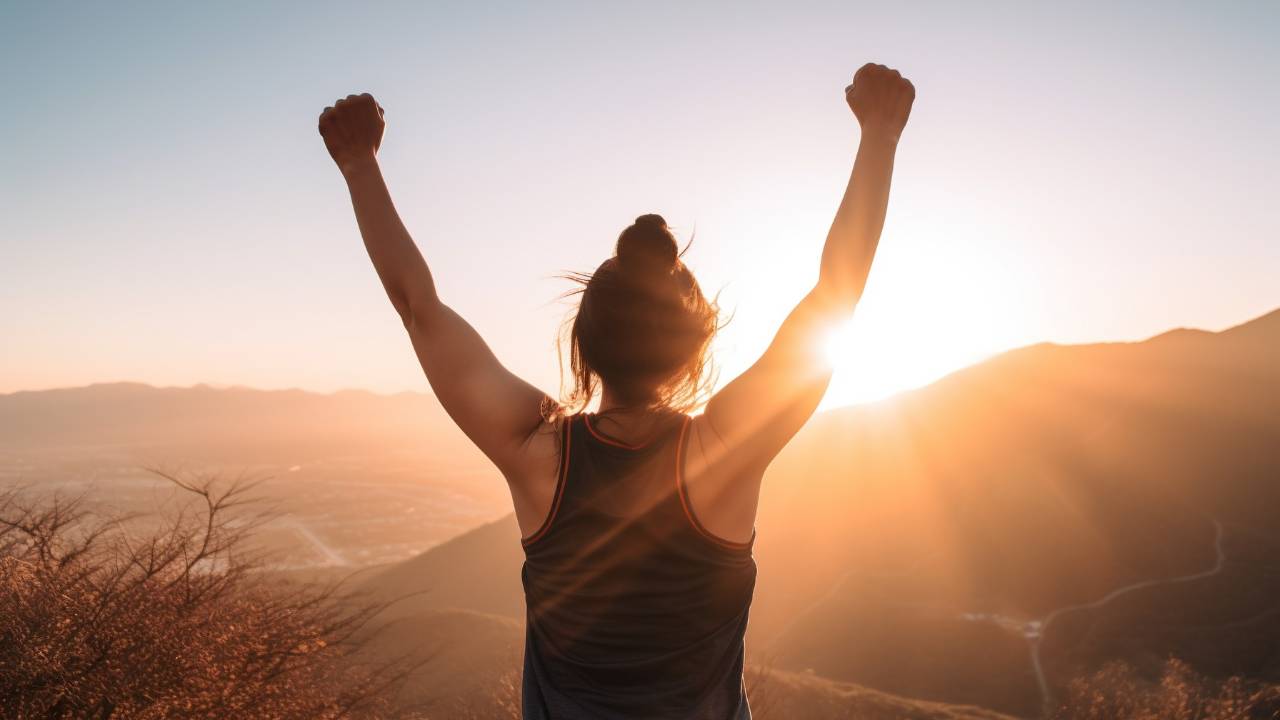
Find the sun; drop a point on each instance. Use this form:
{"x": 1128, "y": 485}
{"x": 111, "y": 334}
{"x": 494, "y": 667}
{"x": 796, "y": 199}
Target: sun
{"x": 874, "y": 360}
{"x": 901, "y": 338}
{"x": 941, "y": 296}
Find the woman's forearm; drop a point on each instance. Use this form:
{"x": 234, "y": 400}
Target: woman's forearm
{"x": 881, "y": 99}
{"x": 399, "y": 263}
{"x": 855, "y": 232}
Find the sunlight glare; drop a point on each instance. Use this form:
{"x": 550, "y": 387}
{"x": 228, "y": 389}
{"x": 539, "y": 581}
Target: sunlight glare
{"x": 933, "y": 310}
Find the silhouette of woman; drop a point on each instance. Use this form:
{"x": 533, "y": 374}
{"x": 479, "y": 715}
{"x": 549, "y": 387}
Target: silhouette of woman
{"x": 638, "y": 520}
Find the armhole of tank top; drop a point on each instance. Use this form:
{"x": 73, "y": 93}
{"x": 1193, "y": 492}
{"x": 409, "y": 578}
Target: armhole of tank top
{"x": 562, "y": 474}
{"x": 685, "y": 503}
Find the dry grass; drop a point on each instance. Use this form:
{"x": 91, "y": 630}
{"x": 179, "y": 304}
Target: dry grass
{"x": 1119, "y": 692}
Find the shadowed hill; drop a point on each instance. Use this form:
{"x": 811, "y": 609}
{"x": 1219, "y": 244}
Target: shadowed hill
{"x": 778, "y": 695}
{"x": 470, "y": 667}
{"x": 478, "y": 570}
{"x": 1091, "y": 456}
{"x": 467, "y": 663}
{"x": 1046, "y": 477}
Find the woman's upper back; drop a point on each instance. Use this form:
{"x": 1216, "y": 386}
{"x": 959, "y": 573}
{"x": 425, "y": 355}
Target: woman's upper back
{"x": 634, "y": 609}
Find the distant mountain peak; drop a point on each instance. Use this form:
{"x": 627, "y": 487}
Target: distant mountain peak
{"x": 1263, "y": 325}
{"x": 1180, "y": 333}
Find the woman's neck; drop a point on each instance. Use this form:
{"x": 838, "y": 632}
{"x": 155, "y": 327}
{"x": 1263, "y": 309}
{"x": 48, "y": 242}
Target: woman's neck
{"x": 628, "y": 420}
{"x": 614, "y": 405}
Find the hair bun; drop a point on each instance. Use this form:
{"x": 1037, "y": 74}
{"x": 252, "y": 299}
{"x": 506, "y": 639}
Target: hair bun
{"x": 652, "y": 219}
{"x": 648, "y": 247}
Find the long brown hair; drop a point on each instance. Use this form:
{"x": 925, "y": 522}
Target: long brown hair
{"x": 643, "y": 326}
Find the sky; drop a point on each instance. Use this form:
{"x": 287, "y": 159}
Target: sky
{"x": 1072, "y": 172}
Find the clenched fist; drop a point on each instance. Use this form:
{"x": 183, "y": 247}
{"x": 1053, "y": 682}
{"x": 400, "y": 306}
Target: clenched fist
{"x": 352, "y": 130}
{"x": 881, "y": 99}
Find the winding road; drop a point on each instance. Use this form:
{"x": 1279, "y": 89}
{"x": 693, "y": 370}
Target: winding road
{"x": 1035, "y": 630}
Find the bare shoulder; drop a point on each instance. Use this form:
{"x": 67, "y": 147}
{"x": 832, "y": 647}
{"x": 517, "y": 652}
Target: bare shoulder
{"x": 722, "y": 481}
{"x": 543, "y": 444}
{"x": 534, "y": 479}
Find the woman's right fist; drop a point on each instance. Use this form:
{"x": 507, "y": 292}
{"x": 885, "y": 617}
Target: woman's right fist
{"x": 352, "y": 130}
{"x": 881, "y": 99}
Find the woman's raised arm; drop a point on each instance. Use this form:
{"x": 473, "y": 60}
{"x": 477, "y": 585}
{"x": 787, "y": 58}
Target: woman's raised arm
{"x": 499, "y": 412}
{"x": 752, "y": 418}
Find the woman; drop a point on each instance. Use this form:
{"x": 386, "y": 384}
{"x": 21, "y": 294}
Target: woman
{"x": 638, "y": 519}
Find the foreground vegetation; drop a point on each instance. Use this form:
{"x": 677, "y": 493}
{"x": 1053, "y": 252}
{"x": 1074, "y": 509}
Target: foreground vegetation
{"x": 98, "y": 620}
{"x": 1179, "y": 693}
{"x": 102, "y": 619}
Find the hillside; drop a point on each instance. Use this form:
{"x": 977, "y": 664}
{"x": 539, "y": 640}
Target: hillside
{"x": 478, "y": 570}
{"x": 1044, "y": 478}
{"x": 470, "y": 667}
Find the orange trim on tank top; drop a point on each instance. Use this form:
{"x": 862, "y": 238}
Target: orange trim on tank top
{"x": 610, "y": 441}
{"x": 561, "y": 481}
{"x": 686, "y": 504}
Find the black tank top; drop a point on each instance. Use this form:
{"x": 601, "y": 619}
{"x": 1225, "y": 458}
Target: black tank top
{"x": 634, "y": 610}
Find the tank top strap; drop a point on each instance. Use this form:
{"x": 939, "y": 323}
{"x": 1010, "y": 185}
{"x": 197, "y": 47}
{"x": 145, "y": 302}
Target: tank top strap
{"x": 666, "y": 432}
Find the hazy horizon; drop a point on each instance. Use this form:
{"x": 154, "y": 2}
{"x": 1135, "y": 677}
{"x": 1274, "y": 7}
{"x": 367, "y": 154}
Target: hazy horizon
{"x": 427, "y": 390}
{"x": 169, "y": 214}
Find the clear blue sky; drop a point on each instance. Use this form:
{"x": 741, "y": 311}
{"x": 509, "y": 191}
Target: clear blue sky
{"x": 1072, "y": 172}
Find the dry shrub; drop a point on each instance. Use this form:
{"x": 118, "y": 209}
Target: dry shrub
{"x": 96, "y": 622}
{"x": 1119, "y": 692}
